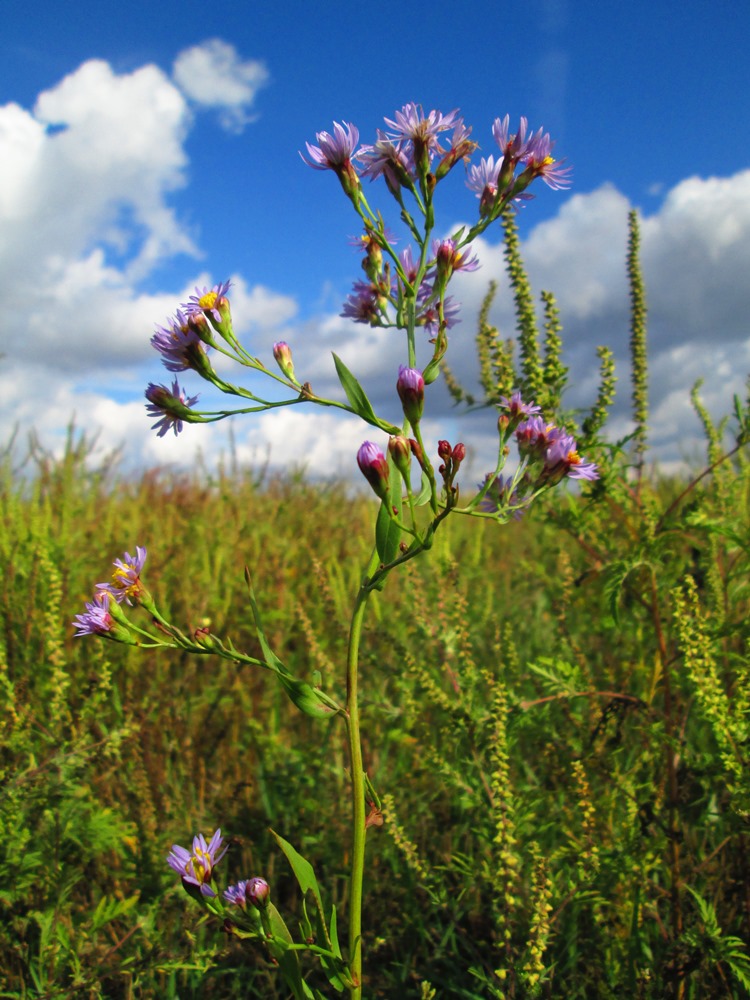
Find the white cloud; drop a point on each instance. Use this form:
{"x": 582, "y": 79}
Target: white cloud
{"x": 85, "y": 215}
{"x": 213, "y": 75}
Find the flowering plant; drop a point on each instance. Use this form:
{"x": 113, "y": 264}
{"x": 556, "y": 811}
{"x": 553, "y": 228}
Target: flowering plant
{"x": 408, "y": 291}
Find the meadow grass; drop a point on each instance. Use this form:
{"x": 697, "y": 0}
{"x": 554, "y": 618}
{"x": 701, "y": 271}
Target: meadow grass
{"x": 552, "y": 826}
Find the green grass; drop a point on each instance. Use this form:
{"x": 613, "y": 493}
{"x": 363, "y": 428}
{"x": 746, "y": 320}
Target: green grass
{"x": 557, "y": 824}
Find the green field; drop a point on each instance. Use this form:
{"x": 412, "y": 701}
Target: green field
{"x": 554, "y": 716}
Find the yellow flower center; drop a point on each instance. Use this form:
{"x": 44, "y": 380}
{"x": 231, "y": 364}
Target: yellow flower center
{"x": 208, "y": 301}
{"x": 201, "y": 865}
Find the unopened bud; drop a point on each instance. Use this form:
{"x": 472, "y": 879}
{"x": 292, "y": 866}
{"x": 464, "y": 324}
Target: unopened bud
{"x": 282, "y": 353}
{"x": 410, "y": 388}
{"x": 258, "y": 893}
{"x": 400, "y": 452}
{"x": 374, "y": 467}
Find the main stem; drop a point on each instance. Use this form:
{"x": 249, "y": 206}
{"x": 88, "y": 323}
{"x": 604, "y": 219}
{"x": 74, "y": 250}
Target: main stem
{"x": 358, "y": 786}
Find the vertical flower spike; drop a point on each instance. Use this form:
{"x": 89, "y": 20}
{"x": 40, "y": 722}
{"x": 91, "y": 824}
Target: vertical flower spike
{"x": 196, "y": 867}
{"x": 410, "y": 388}
{"x": 374, "y": 467}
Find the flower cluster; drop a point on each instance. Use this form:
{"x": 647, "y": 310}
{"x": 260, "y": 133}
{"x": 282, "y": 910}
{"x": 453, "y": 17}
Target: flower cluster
{"x": 413, "y": 154}
{"x": 196, "y": 869}
{"x": 103, "y": 615}
{"x": 183, "y": 343}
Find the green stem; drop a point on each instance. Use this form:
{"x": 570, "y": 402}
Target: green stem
{"x": 358, "y": 786}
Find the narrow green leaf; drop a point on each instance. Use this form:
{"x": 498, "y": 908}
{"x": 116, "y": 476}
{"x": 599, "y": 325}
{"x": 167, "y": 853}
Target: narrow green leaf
{"x": 354, "y": 392}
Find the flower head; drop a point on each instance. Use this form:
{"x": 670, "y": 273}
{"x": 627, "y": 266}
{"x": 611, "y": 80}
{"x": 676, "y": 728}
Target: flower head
{"x": 428, "y": 314}
{"x": 501, "y": 495}
{"x": 540, "y": 163}
{"x": 483, "y": 180}
{"x": 410, "y": 123}
{"x": 386, "y": 157}
{"x": 517, "y": 409}
{"x": 535, "y": 436}
{"x": 196, "y": 867}
{"x": 96, "y": 619}
{"x": 562, "y": 459}
{"x": 170, "y": 405}
{"x": 209, "y": 302}
{"x": 450, "y": 257}
{"x": 336, "y": 152}
{"x": 126, "y": 580}
{"x": 179, "y": 344}
{"x": 364, "y": 305}
{"x": 333, "y": 152}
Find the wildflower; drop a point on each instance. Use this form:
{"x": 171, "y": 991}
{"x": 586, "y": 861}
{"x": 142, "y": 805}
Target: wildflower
{"x": 410, "y": 388}
{"x": 169, "y": 405}
{"x": 364, "y": 305}
{"x": 534, "y": 435}
{"x": 428, "y": 314}
{"x": 126, "y": 580}
{"x": 540, "y": 163}
{"x": 411, "y": 124}
{"x": 196, "y": 868}
{"x": 450, "y": 257}
{"x": 500, "y": 496}
{"x": 483, "y": 180}
{"x": 374, "y": 467}
{"x": 461, "y": 148}
{"x": 562, "y": 459}
{"x": 210, "y": 302}
{"x": 517, "y": 409}
{"x": 514, "y": 146}
{"x": 386, "y": 157}
{"x": 399, "y": 448}
{"x": 179, "y": 345}
{"x": 336, "y": 152}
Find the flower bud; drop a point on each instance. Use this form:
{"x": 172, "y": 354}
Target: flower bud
{"x": 444, "y": 450}
{"x": 400, "y": 451}
{"x": 374, "y": 467}
{"x": 410, "y": 387}
{"x": 458, "y": 454}
{"x": 258, "y": 893}
{"x": 282, "y": 353}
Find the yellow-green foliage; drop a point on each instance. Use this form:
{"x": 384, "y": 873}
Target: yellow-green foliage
{"x": 554, "y": 716}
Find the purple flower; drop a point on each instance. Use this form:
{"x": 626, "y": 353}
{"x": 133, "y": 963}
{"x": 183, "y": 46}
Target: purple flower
{"x": 196, "y": 868}
{"x": 540, "y": 163}
{"x": 387, "y": 158}
{"x": 411, "y": 124}
{"x": 364, "y": 305}
{"x": 483, "y": 180}
{"x": 427, "y": 315}
{"x": 374, "y": 467}
{"x": 96, "y": 619}
{"x": 517, "y": 409}
{"x": 179, "y": 345}
{"x": 169, "y": 405}
{"x": 450, "y": 257}
{"x": 282, "y": 353}
{"x": 410, "y": 388}
{"x": 514, "y": 146}
{"x": 209, "y": 301}
{"x": 333, "y": 152}
{"x": 126, "y": 580}
{"x": 562, "y": 459}
{"x": 410, "y": 266}
{"x": 500, "y": 496}
{"x": 535, "y": 436}
{"x": 254, "y": 891}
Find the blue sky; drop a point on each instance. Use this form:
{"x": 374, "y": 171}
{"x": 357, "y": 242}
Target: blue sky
{"x": 182, "y": 124}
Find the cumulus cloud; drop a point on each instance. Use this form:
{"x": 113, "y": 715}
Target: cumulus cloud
{"x": 85, "y": 216}
{"x": 214, "y": 76}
